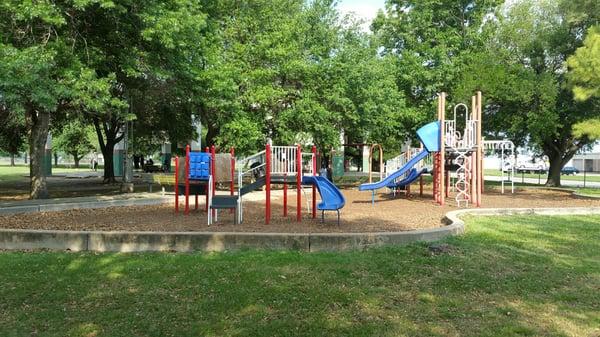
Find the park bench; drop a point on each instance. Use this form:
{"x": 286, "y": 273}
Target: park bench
{"x": 161, "y": 179}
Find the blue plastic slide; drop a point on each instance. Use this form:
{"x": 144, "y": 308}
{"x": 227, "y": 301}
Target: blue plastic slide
{"x": 389, "y": 180}
{"x": 413, "y": 175}
{"x": 430, "y": 137}
{"x": 332, "y": 198}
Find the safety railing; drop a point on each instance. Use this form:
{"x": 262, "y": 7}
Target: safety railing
{"x": 244, "y": 162}
{"x": 283, "y": 159}
{"x": 460, "y": 140}
{"x": 308, "y": 164}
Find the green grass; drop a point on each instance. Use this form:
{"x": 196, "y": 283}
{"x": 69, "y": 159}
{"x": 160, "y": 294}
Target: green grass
{"x": 508, "y": 276}
{"x": 579, "y": 177}
{"x": 589, "y": 191}
{"x": 19, "y": 172}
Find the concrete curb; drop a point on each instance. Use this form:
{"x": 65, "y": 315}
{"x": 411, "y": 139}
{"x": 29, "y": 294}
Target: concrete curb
{"x": 99, "y": 241}
{"x": 79, "y": 205}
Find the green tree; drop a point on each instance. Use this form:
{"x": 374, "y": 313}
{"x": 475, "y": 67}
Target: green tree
{"x": 12, "y": 135}
{"x": 432, "y": 40}
{"x": 522, "y": 74}
{"x": 74, "y": 139}
{"x": 38, "y": 70}
{"x": 146, "y": 47}
{"x": 584, "y": 67}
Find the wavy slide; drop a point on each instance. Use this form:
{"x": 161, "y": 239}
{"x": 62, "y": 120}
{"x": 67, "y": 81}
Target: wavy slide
{"x": 412, "y": 176}
{"x": 389, "y": 180}
{"x": 332, "y": 198}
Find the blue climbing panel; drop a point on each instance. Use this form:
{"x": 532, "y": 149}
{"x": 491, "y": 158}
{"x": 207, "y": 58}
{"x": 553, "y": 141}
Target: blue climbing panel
{"x": 199, "y": 165}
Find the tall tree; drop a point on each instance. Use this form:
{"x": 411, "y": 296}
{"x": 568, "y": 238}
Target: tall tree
{"x": 432, "y": 40}
{"x": 12, "y": 135}
{"x": 143, "y": 47}
{"x": 522, "y": 73}
{"x": 584, "y": 68}
{"x": 73, "y": 139}
{"x": 38, "y": 70}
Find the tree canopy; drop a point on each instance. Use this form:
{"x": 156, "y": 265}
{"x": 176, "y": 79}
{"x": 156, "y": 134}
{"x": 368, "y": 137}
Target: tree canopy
{"x": 295, "y": 71}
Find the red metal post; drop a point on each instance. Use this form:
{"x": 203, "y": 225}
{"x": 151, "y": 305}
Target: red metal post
{"x": 187, "y": 180}
{"x": 421, "y": 186}
{"x": 176, "y": 184}
{"x": 212, "y": 172}
{"x": 268, "y": 184}
{"x": 285, "y": 187}
{"x": 435, "y": 171}
{"x": 314, "y": 189}
{"x": 232, "y": 187}
{"x": 206, "y": 191}
{"x": 299, "y": 183}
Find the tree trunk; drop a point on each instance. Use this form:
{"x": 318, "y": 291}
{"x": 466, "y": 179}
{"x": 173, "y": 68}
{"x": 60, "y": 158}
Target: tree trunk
{"x": 55, "y": 158}
{"x": 107, "y": 138}
{"x": 556, "y": 164}
{"x": 12, "y": 159}
{"x": 37, "y": 123}
{"x": 211, "y": 134}
{"x": 109, "y": 169}
{"x": 76, "y": 160}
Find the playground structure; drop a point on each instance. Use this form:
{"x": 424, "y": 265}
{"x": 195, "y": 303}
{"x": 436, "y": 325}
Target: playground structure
{"x": 507, "y": 158}
{"x": 285, "y": 165}
{"x": 448, "y": 144}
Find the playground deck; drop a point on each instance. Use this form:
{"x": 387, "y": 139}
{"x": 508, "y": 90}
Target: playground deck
{"x": 400, "y": 214}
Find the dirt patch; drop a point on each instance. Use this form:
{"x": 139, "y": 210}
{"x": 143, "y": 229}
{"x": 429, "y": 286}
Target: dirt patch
{"x": 359, "y": 215}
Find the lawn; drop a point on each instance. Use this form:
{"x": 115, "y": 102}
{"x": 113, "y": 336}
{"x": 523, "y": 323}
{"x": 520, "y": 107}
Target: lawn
{"x": 542, "y": 177}
{"x": 508, "y": 276}
{"x": 589, "y": 191}
{"x": 20, "y": 172}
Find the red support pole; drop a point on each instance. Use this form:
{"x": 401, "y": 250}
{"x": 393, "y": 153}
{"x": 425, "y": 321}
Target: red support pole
{"x": 212, "y": 172}
{"x": 421, "y": 186}
{"x": 314, "y": 189}
{"x": 176, "y": 184}
{"x": 299, "y": 183}
{"x": 285, "y": 187}
{"x": 187, "y": 180}
{"x": 206, "y": 150}
{"x": 196, "y": 198}
{"x": 232, "y": 187}
{"x": 268, "y": 184}
{"x": 435, "y": 176}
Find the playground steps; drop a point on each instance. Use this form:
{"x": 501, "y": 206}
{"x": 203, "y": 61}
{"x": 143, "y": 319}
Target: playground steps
{"x": 224, "y": 201}
{"x": 260, "y": 182}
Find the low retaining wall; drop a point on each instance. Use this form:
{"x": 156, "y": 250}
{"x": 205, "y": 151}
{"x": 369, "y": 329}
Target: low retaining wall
{"x": 50, "y": 207}
{"x": 17, "y": 239}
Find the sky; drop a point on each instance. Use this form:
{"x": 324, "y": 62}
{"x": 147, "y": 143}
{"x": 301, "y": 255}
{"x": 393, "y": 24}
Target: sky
{"x": 364, "y": 9}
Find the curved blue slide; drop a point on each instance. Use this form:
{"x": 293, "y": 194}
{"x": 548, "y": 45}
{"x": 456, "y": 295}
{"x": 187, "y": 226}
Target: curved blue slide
{"x": 389, "y": 180}
{"x": 332, "y": 198}
{"x": 410, "y": 178}
{"x": 429, "y": 135}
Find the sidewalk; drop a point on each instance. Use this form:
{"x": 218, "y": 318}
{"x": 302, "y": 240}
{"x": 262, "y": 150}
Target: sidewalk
{"x": 61, "y": 204}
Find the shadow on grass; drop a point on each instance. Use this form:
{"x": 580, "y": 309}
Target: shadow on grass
{"x": 508, "y": 276}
